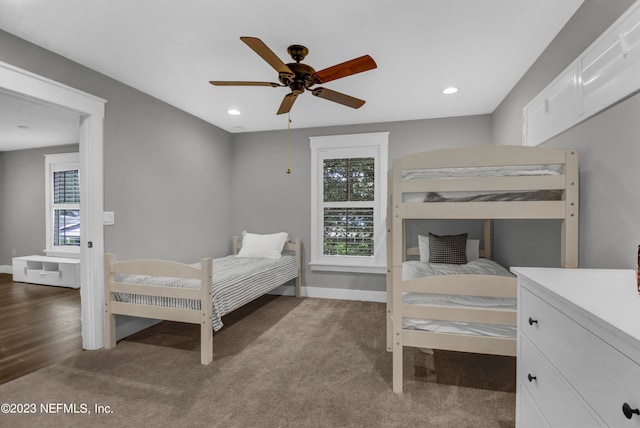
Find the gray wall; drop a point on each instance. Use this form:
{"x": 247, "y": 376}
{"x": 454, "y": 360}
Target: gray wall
{"x": 166, "y": 173}
{"x": 609, "y": 146}
{"x": 265, "y": 199}
{"x": 22, "y": 190}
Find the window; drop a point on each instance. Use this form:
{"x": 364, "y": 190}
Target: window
{"x": 348, "y": 202}
{"x": 62, "y": 180}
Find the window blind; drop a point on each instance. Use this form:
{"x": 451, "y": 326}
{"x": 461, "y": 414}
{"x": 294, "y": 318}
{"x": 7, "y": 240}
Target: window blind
{"x": 348, "y": 231}
{"x": 66, "y": 187}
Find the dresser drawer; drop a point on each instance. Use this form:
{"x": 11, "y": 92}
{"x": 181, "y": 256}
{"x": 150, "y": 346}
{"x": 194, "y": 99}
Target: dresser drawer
{"x": 527, "y": 413}
{"x": 552, "y": 395}
{"x": 605, "y": 378}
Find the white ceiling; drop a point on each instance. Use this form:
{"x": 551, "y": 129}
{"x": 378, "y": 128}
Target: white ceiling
{"x": 26, "y": 124}
{"x": 171, "y": 49}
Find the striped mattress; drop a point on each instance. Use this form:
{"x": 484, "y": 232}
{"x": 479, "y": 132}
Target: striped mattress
{"x": 236, "y": 282}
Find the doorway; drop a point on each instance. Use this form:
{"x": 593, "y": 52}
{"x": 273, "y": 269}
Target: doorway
{"x": 21, "y": 83}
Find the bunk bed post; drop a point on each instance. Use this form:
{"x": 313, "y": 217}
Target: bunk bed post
{"x": 389, "y": 258}
{"x": 397, "y": 340}
{"x": 487, "y": 238}
{"x": 398, "y": 256}
{"x": 571, "y": 224}
{"x": 206, "y": 306}
{"x": 109, "y": 318}
{"x": 298, "y": 256}
{"x": 234, "y": 245}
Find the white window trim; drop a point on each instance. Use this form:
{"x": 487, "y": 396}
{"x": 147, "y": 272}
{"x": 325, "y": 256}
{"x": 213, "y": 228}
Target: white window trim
{"x": 53, "y": 163}
{"x": 354, "y": 145}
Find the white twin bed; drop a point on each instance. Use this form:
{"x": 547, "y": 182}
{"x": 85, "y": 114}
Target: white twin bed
{"x": 455, "y": 297}
{"x": 200, "y": 293}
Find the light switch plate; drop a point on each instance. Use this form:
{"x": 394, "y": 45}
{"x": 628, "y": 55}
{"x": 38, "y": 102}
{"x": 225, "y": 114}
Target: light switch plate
{"x": 108, "y": 218}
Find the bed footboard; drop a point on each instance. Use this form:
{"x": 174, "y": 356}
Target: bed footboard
{"x": 160, "y": 268}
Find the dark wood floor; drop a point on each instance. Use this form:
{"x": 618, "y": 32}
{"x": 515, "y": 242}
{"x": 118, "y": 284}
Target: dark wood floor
{"x": 39, "y": 326}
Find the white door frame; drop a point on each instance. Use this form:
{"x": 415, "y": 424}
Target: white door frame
{"x": 22, "y": 83}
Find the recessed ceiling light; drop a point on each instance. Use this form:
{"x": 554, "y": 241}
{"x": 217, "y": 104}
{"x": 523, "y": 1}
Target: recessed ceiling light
{"x": 450, "y": 90}
{"x": 233, "y": 112}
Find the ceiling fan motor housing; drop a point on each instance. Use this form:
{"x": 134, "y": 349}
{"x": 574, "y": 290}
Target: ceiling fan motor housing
{"x": 302, "y": 77}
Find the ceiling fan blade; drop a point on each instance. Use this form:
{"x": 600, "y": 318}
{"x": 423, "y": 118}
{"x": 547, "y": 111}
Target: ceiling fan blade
{"x": 357, "y": 65}
{"x": 287, "y": 103}
{"x": 267, "y": 54}
{"x": 338, "y": 97}
{"x": 233, "y": 83}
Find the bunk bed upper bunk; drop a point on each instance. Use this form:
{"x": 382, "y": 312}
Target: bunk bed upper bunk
{"x": 551, "y": 174}
{"x": 484, "y": 183}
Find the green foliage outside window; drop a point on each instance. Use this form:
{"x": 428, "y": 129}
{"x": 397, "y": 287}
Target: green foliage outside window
{"x": 349, "y": 231}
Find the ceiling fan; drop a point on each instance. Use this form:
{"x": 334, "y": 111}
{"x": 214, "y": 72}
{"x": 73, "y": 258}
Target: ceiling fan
{"x": 298, "y": 76}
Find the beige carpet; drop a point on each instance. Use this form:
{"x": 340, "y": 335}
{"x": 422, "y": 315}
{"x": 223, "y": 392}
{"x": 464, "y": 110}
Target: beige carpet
{"x": 283, "y": 362}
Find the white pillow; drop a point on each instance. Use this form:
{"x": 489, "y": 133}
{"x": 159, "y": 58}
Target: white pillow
{"x": 472, "y": 251}
{"x": 263, "y": 246}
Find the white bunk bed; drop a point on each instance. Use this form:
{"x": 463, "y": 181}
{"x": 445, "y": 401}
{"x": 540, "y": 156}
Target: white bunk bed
{"x": 200, "y": 293}
{"x": 457, "y": 302}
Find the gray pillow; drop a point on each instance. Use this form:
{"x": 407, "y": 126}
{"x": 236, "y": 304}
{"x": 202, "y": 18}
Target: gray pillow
{"x": 449, "y": 249}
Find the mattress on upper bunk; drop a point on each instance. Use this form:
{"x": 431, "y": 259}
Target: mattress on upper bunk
{"x": 484, "y": 171}
{"x": 416, "y": 269}
{"x": 236, "y": 281}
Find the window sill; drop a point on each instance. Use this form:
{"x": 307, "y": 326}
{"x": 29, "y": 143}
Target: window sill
{"x": 58, "y": 253}
{"x": 379, "y": 270}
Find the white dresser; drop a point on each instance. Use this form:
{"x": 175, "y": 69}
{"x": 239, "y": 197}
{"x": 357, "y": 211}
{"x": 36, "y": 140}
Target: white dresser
{"x": 578, "y": 348}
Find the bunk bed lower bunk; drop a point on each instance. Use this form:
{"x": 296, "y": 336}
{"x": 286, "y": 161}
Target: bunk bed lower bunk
{"x": 200, "y": 293}
{"x": 446, "y": 300}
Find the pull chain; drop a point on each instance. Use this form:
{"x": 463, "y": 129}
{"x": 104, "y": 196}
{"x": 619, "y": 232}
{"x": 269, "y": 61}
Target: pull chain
{"x": 288, "y": 171}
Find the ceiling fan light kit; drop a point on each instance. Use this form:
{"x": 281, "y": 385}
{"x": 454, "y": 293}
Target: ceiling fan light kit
{"x": 299, "y": 77}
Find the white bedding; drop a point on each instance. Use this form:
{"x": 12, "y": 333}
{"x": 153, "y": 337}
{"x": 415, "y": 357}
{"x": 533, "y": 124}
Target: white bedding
{"x": 416, "y": 269}
{"x": 236, "y": 281}
{"x": 457, "y": 327}
{"x": 483, "y": 196}
{"x": 482, "y": 171}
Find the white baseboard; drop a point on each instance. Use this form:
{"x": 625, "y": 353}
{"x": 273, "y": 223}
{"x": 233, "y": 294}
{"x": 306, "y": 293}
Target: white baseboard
{"x": 334, "y": 293}
{"x": 6, "y": 269}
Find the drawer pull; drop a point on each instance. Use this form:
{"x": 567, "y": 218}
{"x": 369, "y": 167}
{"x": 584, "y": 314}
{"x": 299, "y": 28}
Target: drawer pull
{"x": 532, "y": 321}
{"x": 532, "y": 378}
{"x": 628, "y": 411}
